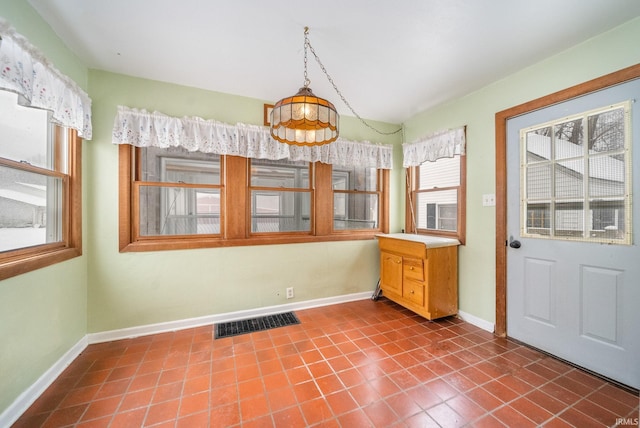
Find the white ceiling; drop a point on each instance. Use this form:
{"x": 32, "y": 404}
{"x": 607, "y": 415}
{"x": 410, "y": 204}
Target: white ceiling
{"x": 389, "y": 58}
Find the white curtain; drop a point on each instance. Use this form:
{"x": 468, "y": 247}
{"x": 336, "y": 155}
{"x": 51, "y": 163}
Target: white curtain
{"x": 442, "y": 144}
{"x": 144, "y": 129}
{"x": 25, "y": 71}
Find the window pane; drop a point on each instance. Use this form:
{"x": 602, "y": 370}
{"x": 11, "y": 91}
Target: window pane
{"x": 607, "y": 218}
{"x": 355, "y": 211}
{"x": 177, "y": 165}
{"x": 606, "y": 175}
{"x": 538, "y": 219}
{"x": 569, "y": 139}
{"x": 282, "y": 173}
{"x": 179, "y": 211}
{"x": 538, "y": 145}
{"x": 539, "y": 181}
{"x": 437, "y": 210}
{"x": 569, "y": 219}
{"x": 568, "y": 179}
{"x": 274, "y": 211}
{"x": 356, "y": 178}
{"x": 24, "y": 132}
{"x": 444, "y": 172}
{"x": 30, "y": 209}
{"x": 447, "y": 216}
{"x": 606, "y": 131}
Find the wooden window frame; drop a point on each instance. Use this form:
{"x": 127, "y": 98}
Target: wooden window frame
{"x": 380, "y": 180}
{"x": 308, "y": 190}
{"x": 411, "y": 196}
{"x": 138, "y": 184}
{"x": 235, "y": 203}
{"x": 23, "y": 260}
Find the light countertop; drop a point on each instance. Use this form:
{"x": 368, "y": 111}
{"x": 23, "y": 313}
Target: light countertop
{"x": 428, "y": 241}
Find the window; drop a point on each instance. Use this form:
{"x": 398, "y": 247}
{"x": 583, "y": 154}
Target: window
{"x": 356, "y": 198}
{"x": 575, "y": 179}
{"x": 178, "y": 193}
{"x": 40, "y": 206}
{"x": 172, "y": 198}
{"x": 436, "y": 201}
{"x": 280, "y": 196}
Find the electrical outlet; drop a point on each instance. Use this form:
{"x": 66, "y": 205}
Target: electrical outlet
{"x": 489, "y": 200}
{"x": 290, "y": 293}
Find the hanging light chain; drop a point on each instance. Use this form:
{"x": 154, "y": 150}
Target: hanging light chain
{"x": 335, "y": 87}
{"x": 306, "y": 43}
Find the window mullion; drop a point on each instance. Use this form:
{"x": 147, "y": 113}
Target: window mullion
{"x": 323, "y": 199}
{"x": 553, "y": 199}
{"x": 586, "y": 182}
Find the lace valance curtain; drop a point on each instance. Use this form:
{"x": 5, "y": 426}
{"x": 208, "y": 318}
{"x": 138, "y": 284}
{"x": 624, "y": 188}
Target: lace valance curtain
{"x": 144, "y": 129}
{"x": 442, "y": 144}
{"x": 25, "y": 71}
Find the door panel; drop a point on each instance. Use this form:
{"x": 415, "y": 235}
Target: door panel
{"x": 577, "y": 300}
{"x": 539, "y": 291}
{"x": 600, "y": 299}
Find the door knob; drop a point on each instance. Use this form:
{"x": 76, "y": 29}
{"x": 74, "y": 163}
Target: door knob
{"x": 514, "y": 243}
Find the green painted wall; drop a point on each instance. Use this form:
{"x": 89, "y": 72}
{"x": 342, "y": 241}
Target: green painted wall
{"x": 604, "y": 54}
{"x": 132, "y": 289}
{"x": 42, "y": 313}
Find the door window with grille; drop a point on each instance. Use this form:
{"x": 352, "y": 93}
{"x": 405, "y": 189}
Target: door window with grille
{"x": 576, "y": 177}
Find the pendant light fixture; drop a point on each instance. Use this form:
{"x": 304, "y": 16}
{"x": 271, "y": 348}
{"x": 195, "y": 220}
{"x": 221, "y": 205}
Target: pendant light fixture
{"x": 304, "y": 119}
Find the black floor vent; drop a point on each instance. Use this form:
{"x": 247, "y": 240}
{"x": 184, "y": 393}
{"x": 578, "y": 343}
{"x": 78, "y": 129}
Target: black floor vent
{"x": 235, "y": 328}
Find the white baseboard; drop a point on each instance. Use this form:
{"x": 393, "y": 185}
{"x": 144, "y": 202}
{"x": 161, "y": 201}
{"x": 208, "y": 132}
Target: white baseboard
{"x": 31, "y": 394}
{"x": 478, "y": 322}
{"x": 144, "y": 330}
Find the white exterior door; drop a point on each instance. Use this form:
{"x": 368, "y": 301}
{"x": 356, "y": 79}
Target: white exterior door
{"x": 573, "y": 266}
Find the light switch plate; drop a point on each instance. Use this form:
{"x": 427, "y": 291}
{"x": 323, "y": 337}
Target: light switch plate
{"x": 489, "y": 200}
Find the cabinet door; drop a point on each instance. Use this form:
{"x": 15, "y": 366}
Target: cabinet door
{"x": 391, "y": 273}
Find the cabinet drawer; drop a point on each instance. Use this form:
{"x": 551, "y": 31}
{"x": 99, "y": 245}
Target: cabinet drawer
{"x": 414, "y": 292}
{"x": 413, "y": 268}
{"x": 400, "y": 246}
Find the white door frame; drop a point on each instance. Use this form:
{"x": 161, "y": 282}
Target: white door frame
{"x": 502, "y": 117}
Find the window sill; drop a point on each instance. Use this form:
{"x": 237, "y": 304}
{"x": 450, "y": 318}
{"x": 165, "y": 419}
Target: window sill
{"x": 17, "y": 266}
{"x": 197, "y": 243}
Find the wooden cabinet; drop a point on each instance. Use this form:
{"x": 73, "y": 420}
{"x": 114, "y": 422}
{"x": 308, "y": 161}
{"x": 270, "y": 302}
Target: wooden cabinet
{"x": 420, "y": 273}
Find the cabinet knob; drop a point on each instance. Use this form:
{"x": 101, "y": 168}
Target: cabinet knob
{"x": 411, "y": 268}
{"x": 412, "y": 291}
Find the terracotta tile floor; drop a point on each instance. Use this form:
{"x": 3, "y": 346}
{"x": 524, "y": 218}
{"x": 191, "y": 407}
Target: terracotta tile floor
{"x": 359, "y": 364}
